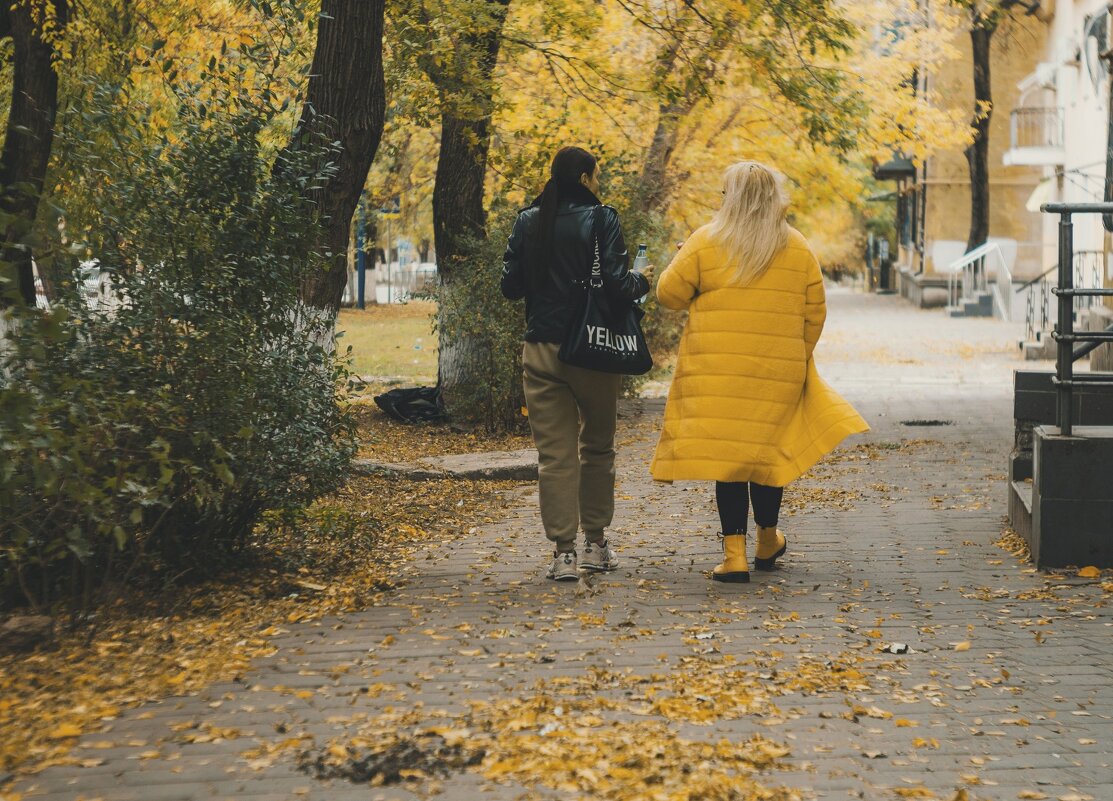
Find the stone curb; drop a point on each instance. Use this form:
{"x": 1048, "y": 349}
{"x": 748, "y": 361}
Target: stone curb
{"x": 489, "y": 466}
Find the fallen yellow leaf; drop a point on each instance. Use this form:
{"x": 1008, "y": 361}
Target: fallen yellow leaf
{"x": 1089, "y": 572}
{"x": 65, "y": 731}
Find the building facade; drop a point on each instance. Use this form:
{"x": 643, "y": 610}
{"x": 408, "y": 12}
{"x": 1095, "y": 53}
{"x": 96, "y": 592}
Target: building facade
{"x": 1060, "y": 125}
{"x": 933, "y": 213}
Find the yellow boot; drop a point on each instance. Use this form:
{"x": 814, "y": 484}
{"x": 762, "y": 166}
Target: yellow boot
{"x": 771, "y": 545}
{"x": 734, "y": 568}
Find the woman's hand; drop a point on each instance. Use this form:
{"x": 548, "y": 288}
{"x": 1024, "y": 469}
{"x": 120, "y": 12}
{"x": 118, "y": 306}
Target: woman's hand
{"x": 649, "y": 271}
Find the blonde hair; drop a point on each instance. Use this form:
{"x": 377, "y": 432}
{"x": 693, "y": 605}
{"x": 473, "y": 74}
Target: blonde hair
{"x": 751, "y": 224}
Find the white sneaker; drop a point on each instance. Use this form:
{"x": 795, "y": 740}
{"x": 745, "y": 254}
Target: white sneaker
{"x": 564, "y": 567}
{"x": 599, "y": 556}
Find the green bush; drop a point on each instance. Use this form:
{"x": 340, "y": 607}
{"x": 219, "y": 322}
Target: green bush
{"x": 144, "y": 438}
{"x": 472, "y": 310}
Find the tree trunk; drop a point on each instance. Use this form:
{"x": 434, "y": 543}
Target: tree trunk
{"x": 656, "y": 185}
{"x": 977, "y": 154}
{"x": 459, "y": 217}
{"x": 30, "y": 133}
{"x": 656, "y": 182}
{"x": 345, "y": 104}
{"x": 459, "y": 225}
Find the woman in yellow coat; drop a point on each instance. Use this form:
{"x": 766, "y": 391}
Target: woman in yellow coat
{"x": 747, "y": 408}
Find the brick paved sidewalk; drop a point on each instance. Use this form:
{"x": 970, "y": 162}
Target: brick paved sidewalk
{"x": 891, "y": 541}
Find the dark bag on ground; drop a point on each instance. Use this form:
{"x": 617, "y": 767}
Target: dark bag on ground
{"x": 605, "y": 334}
{"x": 413, "y": 404}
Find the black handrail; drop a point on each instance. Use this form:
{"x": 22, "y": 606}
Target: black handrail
{"x": 1039, "y": 277}
{"x": 1064, "y": 334}
{"x": 1089, "y": 348}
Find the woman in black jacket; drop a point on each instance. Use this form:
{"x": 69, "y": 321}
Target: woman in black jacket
{"x": 572, "y": 411}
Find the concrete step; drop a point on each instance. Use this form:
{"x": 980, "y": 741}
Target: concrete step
{"x": 1038, "y": 349}
{"x": 1020, "y": 508}
{"x": 1023, "y": 490}
{"x": 980, "y": 306}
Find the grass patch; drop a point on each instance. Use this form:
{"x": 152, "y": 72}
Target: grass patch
{"x": 392, "y": 341}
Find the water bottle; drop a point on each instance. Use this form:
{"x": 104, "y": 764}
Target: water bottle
{"x": 641, "y": 261}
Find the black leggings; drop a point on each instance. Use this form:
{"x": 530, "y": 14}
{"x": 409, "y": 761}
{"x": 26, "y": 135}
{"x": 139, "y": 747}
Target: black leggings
{"x": 733, "y": 497}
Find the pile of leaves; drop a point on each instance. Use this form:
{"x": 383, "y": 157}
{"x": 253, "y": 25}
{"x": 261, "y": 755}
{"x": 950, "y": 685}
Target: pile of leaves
{"x": 407, "y": 758}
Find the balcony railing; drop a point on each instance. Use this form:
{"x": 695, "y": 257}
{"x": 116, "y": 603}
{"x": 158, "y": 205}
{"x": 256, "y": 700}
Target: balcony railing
{"x": 1036, "y": 127}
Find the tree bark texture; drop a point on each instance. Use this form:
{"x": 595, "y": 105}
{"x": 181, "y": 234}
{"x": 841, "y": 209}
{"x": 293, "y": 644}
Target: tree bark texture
{"x": 977, "y": 154}
{"x": 458, "y": 212}
{"x": 30, "y": 130}
{"x": 459, "y": 216}
{"x": 346, "y": 104}
{"x": 656, "y": 181}
{"x": 459, "y": 221}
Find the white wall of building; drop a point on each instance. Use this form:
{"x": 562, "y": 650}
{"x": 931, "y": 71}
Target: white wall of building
{"x": 1071, "y": 75}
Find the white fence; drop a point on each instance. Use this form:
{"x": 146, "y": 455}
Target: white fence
{"x": 394, "y": 283}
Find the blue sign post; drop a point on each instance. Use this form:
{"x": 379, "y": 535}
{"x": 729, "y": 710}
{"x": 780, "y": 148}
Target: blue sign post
{"x": 361, "y": 256}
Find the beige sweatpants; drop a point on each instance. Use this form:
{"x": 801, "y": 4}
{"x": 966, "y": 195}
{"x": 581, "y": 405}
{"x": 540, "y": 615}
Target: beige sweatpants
{"x": 572, "y": 413}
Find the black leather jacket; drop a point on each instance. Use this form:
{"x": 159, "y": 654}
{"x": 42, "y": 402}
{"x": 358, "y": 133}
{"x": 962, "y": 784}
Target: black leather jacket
{"x": 550, "y": 307}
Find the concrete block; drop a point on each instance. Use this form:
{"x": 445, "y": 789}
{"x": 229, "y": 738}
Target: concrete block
{"x": 1034, "y": 399}
{"x": 1020, "y": 509}
{"x": 925, "y": 291}
{"x": 1074, "y": 532}
{"x": 1076, "y": 466}
{"x": 1072, "y": 497}
{"x": 491, "y": 466}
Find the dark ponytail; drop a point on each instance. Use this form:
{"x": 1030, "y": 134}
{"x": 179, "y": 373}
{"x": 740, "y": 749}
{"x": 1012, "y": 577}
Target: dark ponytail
{"x": 564, "y": 181}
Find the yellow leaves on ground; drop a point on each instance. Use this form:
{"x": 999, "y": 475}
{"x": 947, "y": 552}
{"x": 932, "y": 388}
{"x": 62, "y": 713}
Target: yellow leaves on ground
{"x": 1089, "y": 572}
{"x": 962, "y": 646}
{"x": 870, "y": 712}
{"x": 618, "y": 736}
{"x": 139, "y": 654}
{"x": 64, "y": 731}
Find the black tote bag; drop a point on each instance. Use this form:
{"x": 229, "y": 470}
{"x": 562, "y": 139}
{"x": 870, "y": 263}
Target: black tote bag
{"x": 605, "y": 334}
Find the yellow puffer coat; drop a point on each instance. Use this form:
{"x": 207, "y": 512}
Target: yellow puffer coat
{"x": 746, "y": 402}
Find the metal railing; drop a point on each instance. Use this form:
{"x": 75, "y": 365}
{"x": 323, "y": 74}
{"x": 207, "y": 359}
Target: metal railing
{"x": 1088, "y": 267}
{"x": 1037, "y": 306}
{"x": 967, "y": 276}
{"x": 1064, "y": 334}
{"x": 1036, "y": 127}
